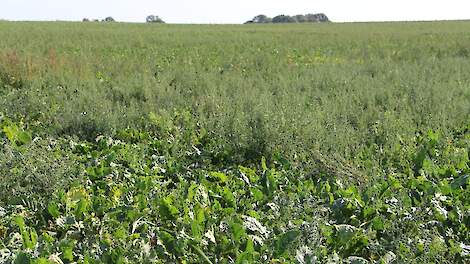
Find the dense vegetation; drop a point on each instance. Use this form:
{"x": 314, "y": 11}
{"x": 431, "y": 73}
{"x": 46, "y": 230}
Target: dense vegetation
{"x": 148, "y": 19}
{"x": 308, "y": 18}
{"x": 129, "y": 143}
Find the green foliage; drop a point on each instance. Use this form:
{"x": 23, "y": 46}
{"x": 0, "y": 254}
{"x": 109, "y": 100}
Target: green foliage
{"x": 136, "y": 209}
{"x": 126, "y": 146}
{"x": 14, "y": 132}
{"x": 349, "y": 90}
{"x": 31, "y": 172}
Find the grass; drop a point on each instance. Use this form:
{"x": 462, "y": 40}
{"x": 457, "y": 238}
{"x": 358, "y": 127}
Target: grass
{"x": 332, "y": 121}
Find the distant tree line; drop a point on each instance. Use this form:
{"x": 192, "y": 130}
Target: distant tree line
{"x": 154, "y": 19}
{"x": 308, "y": 18}
{"x": 149, "y": 19}
{"x": 107, "y": 19}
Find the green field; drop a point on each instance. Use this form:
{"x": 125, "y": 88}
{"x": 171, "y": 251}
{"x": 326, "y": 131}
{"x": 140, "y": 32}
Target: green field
{"x": 296, "y": 143}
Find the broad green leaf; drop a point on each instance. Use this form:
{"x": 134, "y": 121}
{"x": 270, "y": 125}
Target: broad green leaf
{"x": 249, "y": 173}
{"x": 229, "y": 198}
{"x": 377, "y": 224}
{"x": 167, "y": 209}
{"x": 284, "y": 241}
{"x": 460, "y": 181}
{"x": 248, "y": 255}
{"x": 11, "y": 132}
{"x": 24, "y": 137}
{"x": 53, "y": 209}
{"x": 66, "y": 248}
{"x": 270, "y": 183}
{"x": 257, "y": 194}
{"x": 22, "y": 258}
{"x": 43, "y": 261}
{"x": 345, "y": 233}
{"x": 238, "y": 231}
{"x": 263, "y": 164}
{"x": 218, "y": 176}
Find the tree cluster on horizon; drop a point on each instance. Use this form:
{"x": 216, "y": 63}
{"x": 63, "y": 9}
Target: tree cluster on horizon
{"x": 107, "y": 19}
{"x": 148, "y": 19}
{"x": 308, "y": 18}
{"x": 259, "y": 19}
{"x": 154, "y": 19}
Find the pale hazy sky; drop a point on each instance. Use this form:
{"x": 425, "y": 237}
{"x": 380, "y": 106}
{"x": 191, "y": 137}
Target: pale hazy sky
{"x": 233, "y": 11}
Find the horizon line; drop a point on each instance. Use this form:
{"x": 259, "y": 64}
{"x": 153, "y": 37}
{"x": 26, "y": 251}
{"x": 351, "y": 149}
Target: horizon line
{"x": 241, "y": 23}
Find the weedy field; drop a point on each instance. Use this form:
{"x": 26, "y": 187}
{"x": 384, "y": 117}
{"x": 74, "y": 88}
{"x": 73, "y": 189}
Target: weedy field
{"x": 308, "y": 143}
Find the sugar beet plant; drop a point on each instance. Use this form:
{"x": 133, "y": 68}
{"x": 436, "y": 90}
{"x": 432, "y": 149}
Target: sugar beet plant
{"x": 156, "y": 195}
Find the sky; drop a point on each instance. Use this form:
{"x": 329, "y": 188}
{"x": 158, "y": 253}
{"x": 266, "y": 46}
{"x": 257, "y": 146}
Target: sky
{"x": 233, "y": 11}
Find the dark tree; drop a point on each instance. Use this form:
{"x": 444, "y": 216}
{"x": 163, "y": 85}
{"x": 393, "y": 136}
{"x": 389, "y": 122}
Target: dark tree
{"x": 322, "y": 18}
{"x": 86, "y": 20}
{"x": 154, "y": 19}
{"x": 300, "y": 19}
{"x": 262, "y": 19}
{"x": 259, "y": 19}
{"x": 317, "y": 18}
{"x": 283, "y": 19}
{"x": 109, "y": 19}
